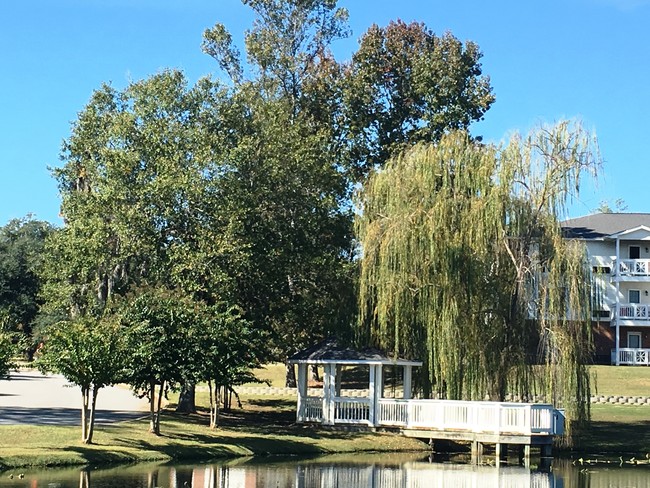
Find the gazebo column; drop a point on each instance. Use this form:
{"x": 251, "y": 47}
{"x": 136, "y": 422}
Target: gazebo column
{"x": 408, "y": 374}
{"x": 329, "y": 393}
{"x": 302, "y": 391}
{"x": 375, "y": 392}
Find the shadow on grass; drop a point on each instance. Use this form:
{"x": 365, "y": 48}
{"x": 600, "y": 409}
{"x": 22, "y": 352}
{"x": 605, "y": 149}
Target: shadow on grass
{"x": 616, "y": 437}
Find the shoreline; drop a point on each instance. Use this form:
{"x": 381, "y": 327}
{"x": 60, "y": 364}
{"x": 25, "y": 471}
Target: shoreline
{"x": 183, "y": 438}
{"x": 188, "y": 438}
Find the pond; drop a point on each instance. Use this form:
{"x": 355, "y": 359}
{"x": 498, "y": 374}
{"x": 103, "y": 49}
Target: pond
{"x": 369, "y": 471}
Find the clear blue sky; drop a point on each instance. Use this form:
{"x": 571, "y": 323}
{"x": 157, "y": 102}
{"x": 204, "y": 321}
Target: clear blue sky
{"x": 547, "y": 60}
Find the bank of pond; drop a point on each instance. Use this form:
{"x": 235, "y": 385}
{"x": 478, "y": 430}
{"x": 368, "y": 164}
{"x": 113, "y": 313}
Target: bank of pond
{"x": 370, "y": 470}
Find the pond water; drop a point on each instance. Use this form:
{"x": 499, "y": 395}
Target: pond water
{"x": 352, "y": 470}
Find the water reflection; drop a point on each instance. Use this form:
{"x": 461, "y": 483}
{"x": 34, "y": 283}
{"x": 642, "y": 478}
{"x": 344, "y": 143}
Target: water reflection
{"x": 369, "y": 472}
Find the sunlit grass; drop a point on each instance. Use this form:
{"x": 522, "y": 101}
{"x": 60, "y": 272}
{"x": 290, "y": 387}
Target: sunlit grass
{"x": 263, "y": 427}
{"x": 620, "y": 380}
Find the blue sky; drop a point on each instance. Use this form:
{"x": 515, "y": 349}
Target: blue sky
{"x": 547, "y": 60}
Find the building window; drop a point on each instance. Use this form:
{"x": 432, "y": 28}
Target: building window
{"x": 634, "y": 296}
{"x": 635, "y": 252}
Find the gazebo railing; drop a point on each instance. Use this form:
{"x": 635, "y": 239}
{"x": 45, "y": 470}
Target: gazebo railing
{"x": 514, "y": 418}
{"x": 312, "y": 409}
{"x": 348, "y": 410}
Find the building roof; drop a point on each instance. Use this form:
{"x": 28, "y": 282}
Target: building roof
{"x": 601, "y": 225}
{"x": 330, "y": 351}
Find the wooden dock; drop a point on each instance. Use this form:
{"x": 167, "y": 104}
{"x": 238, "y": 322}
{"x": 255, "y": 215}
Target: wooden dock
{"x": 502, "y": 424}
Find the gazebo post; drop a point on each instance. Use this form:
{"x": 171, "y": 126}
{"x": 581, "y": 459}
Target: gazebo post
{"x": 371, "y": 395}
{"x": 329, "y": 392}
{"x": 375, "y": 392}
{"x": 302, "y": 391}
{"x": 408, "y": 392}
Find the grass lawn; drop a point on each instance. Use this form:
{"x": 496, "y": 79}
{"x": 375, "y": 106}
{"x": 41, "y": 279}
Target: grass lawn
{"x": 263, "y": 427}
{"x": 618, "y": 429}
{"x": 620, "y": 380}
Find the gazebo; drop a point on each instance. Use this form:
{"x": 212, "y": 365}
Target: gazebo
{"x": 330, "y": 407}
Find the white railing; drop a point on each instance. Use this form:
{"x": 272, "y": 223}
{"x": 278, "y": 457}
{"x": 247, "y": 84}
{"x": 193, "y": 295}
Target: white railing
{"x": 634, "y": 311}
{"x": 631, "y": 356}
{"x": 348, "y": 410}
{"x": 633, "y": 267}
{"x": 313, "y": 409}
{"x": 479, "y": 417}
{"x": 490, "y": 417}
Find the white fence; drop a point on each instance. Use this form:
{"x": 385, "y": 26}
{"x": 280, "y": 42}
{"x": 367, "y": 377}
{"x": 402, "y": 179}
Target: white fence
{"x": 487, "y": 417}
{"x": 484, "y": 417}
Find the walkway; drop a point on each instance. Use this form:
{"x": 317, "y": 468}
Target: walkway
{"x": 31, "y": 398}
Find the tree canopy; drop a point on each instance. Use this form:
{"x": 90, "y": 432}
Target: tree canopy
{"x": 465, "y": 267}
{"x": 238, "y": 191}
{"x": 21, "y": 255}
{"x": 407, "y": 85}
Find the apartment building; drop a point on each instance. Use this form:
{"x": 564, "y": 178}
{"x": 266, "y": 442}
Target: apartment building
{"x": 618, "y": 245}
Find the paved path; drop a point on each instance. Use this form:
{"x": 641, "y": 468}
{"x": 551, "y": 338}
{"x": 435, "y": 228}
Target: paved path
{"x": 29, "y": 397}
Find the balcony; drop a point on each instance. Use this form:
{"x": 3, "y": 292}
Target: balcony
{"x": 634, "y": 312}
{"x": 632, "y": 356}
{"x": 633, "y": 267}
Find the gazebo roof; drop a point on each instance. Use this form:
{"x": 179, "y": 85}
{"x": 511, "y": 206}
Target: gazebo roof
{"x": 330, "y": 351}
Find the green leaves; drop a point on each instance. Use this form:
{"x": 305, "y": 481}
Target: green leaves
{"x": 89, "y": 353}
{"x": 21, "y": 257}
{"x": 465, "y": 266}
{"x": 8, "y": 351}
{"x": 406, "y": 85}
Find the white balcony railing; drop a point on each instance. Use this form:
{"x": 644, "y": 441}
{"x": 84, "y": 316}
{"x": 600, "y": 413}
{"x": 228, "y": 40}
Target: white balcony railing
{"x": 634, "y": 311}
{"x": 633, "y": 267}
{"x": 632, "y": 356}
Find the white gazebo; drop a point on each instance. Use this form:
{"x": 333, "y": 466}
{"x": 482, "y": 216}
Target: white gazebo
{"x": 330, "y": 407}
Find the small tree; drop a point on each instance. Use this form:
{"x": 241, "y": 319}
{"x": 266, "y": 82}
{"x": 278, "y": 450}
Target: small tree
{"x": 227, "y": 353}
{"x": 89, "y": 353}
{"x": 157, "y": 325}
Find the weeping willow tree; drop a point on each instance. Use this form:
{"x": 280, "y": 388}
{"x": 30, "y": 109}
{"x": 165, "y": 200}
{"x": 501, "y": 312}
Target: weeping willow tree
{"x": 464, "y": 267}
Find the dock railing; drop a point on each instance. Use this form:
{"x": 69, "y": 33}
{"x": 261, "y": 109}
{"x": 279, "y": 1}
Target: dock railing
{"x": 492, "y": 417}
{"x": 484, "y": 417}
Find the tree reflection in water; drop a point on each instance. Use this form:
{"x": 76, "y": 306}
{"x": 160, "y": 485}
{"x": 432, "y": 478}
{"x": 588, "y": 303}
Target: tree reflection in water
{"x": 379, "y": 471}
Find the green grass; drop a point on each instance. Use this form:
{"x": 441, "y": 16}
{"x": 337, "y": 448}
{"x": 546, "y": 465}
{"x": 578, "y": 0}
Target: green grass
{"x": 263, "y": 427}
{"x": 266, "y": 426}
{"x": 617, "y": 430}
{"x": 620, "y": 380}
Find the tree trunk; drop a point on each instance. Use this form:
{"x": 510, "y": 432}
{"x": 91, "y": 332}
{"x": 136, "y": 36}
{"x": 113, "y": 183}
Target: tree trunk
{"x": 84, "y": 413}
{"x": 290, "y": 377}
{"x": 187, "y": 398}
{"x": 211, "y": 404}
{"x": 158, "y": 407}
{"x": 91, "y": 421}
{"x": 215, "y": 403}
{"x": 152, "y": 408}
{"x": 313, "y": 370}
